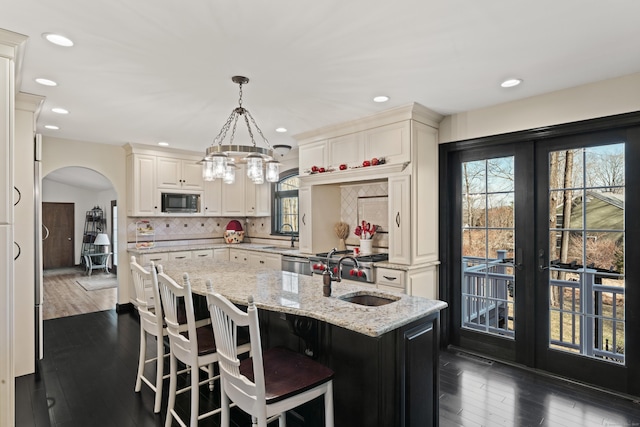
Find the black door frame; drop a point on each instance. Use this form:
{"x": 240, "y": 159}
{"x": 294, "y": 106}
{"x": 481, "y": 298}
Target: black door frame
{"x": 627, "y": 124}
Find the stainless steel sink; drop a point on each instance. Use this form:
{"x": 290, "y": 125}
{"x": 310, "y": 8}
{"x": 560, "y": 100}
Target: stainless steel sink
{"x": 369, "y": 300}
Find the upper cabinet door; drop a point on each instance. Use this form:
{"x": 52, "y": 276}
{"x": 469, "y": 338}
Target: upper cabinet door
{"x": 393, "y": 142}
{"x": 192, "y": 175}
{"x": 347, "y": 149}
{"x": 168, "y": 173}
{"x": 179, "y": 174}
{"x": 313, "y": 154}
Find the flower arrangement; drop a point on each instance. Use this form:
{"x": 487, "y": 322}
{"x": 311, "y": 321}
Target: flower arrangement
{"x": 365, "y": 231}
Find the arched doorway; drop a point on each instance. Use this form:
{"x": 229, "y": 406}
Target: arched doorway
{"x": 69, "y": 194}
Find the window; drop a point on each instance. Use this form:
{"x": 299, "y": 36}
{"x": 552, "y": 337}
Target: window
{"x": 285, "y": 204}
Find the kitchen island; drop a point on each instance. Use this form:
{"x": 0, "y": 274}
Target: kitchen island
{"x": 385, "y": 358}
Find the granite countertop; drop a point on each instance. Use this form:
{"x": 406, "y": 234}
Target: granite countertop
{"x": 296, "y": 294}
{"x": 258, "y": 247}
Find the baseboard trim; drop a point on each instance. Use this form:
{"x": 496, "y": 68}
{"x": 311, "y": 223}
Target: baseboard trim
{"x": 124, "y": 308}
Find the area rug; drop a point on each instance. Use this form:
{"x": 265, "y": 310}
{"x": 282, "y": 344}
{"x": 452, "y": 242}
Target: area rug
{"x": 98, "y": 281}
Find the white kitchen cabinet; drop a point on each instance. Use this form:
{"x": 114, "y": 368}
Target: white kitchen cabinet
{"x": 318, "y": 210}
{"x": 178, "y": 256}
{"x": 257, "y": 198}
{"x": 142, "y": 197}
{"x": 390, "y": 279}
{"x": 423, "y": 282}
{"x": 313, "y": 154}
{"x": 221, "y": 254}
{"x": 400, "y": 219}
{"x": 393, "y": 142}
{"x": 233, "y": 197}
{"x": 157, "y": 258}
{"x": 212, "y": 199}
{"x": 263, "y": 259}
{"x": 239, "y": 256}
{"x": 179, "y": 174}
{"x": 202, "y": 253}
{"x": 346, "y": 149}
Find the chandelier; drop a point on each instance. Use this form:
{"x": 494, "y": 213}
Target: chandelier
{"x": 220, "y": 160}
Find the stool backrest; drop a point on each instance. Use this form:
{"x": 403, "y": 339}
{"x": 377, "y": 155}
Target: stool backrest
{"x": 225, "y": 319}
{"x": 147, "y": 297}
{"x": 176, "y": 298}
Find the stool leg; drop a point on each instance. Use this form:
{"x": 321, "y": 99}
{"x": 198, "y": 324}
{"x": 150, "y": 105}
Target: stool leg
{"x": 282, "y": 420}
{"x": 195, "y": 395}
{"x": 159, "y": 373}
{"x": 143, "y": 354}
{"x": 328, "y": 405}
{"x": 172, "y": 389}
{"x": 224, "y": 407}
{"x": 210, "y": 371}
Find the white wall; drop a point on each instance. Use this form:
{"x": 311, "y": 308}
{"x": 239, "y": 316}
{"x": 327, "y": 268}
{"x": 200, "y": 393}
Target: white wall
{"x": 83, "y": 201}
{"x": 600, "y": 99}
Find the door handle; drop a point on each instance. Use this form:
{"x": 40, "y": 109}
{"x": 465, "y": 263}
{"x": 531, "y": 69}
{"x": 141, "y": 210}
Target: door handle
{"x": 541, "y": 265}
{"x": 519, "y": 259}
{"x": 19, "y": 195}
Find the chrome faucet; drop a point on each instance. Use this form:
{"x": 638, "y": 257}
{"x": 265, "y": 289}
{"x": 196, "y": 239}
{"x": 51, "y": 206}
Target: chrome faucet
{"x": 293, "y": 238}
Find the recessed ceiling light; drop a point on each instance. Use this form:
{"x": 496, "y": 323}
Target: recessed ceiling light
{"x": 381, "y": 98}
{"x": 46, "y": 82}
{"x": 281, "y": 130}
{"x": 511, "y": 82}
{"x": 52, "y": 127}
{"x": 59, "y": 110}
{"x": 162, "y": 143}
{"x": 58, "y": 39}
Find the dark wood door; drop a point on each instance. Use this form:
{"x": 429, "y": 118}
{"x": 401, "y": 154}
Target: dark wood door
{"x": 58, "y": 232}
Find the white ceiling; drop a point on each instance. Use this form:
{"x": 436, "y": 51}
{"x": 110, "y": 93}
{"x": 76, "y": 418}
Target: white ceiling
{"x": 145, "y": 71}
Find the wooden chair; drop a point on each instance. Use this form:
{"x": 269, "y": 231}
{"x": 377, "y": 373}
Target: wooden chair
{"x": 150, "y": 311}
{"x": 269, "y": 383}
{"x": 194, "y": 347}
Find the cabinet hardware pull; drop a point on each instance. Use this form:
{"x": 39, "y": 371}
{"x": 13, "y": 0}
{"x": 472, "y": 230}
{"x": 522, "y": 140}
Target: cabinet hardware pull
{"x": 19, "y": 251}
{"x": 19, "y": 196}
{"x": 47, "y": 230}
{"x": 261, "y": 262}
{"x": 389, "y": 277}
{"x": 180, "y": 257}
{"x": 304, "y": 216}
{"x": 156, "y": 259}
{"x": 398, "y": 219}
{"x": 202, "y": 255}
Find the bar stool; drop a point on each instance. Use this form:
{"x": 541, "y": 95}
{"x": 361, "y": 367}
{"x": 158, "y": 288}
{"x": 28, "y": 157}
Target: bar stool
{"x": 269, "y": 383}
{"x": 150, "y": 311}
{"x": 194, "y": 347}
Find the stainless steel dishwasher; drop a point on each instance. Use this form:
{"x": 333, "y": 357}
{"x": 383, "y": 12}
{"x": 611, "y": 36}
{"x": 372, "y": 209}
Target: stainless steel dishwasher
{"x": 296, "y": 265}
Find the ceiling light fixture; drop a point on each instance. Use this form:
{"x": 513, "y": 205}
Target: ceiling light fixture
{"x": 46, "y": 82}
{"x": 220, "y": 160}
{"x": 511, "y": 82}
{"x": 381, "y": 98}
{"x": 281, "y": 130}
{"x": 281, "y": 149}
{"x": 58, "y": 39}
{"x": 59, "y": 110}
{"x": 163, "y": 144}
{"x": 52, "y": 127}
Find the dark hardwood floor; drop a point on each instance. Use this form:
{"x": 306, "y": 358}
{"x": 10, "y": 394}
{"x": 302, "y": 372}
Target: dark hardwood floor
{"x": 88, "y": 374}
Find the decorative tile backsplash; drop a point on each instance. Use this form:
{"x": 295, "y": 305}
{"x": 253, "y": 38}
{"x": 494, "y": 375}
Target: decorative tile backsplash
{"x": 371, "y": 201}
{"x": 185, "y": 228}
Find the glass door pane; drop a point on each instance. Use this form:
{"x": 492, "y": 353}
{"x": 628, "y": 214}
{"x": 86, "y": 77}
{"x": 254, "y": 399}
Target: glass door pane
{"x": 587, "y": 252}
{"x": 488, "y": 242}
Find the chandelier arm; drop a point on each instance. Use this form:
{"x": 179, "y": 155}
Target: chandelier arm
{"x": 246, "y": 120}
{"x": 233, "y": 132}
{"x": 258, "y": 129}
{"x": 225, "y": 128}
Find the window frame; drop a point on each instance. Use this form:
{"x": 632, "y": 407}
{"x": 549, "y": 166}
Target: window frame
{"x": 276, "y": 208}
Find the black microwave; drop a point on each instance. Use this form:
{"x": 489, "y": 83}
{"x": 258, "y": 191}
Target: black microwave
{"x": 180, "y": 203}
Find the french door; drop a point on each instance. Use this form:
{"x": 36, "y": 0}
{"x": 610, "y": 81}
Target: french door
{"x": 540, "y": 271}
